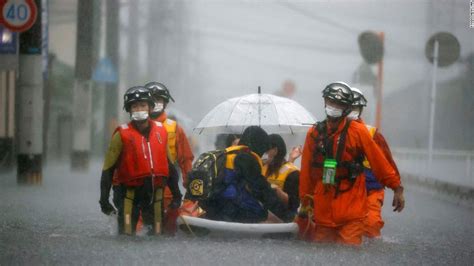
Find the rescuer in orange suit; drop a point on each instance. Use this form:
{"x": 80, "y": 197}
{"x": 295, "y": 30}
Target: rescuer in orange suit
{"x": 180, "y": 152}
{"x": 375, "y": 191}
{"x": 332, "y": 173}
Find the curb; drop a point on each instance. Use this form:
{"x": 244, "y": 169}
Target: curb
{"x": 460, "y": 194}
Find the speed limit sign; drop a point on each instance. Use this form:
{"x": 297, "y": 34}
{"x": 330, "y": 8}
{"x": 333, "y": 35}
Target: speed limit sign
{"x": 18, "y": 15}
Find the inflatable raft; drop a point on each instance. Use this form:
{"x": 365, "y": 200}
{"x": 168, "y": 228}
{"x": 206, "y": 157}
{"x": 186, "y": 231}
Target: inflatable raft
{"x": 200, "y": 226}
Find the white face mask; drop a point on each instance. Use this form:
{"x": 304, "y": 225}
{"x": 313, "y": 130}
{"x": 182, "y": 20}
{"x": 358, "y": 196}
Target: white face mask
{"x": 265, "y": 156}
{"x": 333, "y": 111}
{"x": 139, "y": 116}
{"x": 158, "y": 107}
{"x": 354, "y": 115}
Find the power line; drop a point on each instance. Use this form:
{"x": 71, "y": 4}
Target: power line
{"x": 323, "y": 20}
{"x": 280, "y": 43}
{"x": 285, "y": 67}
{"x": 332, "y": 23}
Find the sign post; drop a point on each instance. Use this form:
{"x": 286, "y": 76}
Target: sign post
{"x": 105, "y": 72}
{"x": 442, "y": 49}
{"x": 371, "y": 46}
{"x": 433, "y": 101}
{"x": 29, "y": 89}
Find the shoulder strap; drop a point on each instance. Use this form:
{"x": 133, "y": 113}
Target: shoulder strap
{"x": 340, "y": 145}
{"x": 321, "y": 129}
{"x": 321, "y": 142}
{"x": 340, "y": 149}
{"x": 342, "y": 141}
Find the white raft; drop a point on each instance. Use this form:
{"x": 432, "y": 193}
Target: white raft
{"x": 231, "y": 228}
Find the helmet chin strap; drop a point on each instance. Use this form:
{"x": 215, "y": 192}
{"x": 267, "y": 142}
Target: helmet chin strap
{"x": 346, "y": 112}
{"x": 141, "y": 125}
{"x": 334, "y": 119}
{"x": 140, "y": 122}
{"x": 155, "y": 115}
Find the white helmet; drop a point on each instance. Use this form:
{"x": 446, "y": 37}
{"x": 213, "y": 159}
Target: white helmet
{"x": 359, "y": 99}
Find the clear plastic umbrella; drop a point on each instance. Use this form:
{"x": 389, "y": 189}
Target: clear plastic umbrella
{"x": 273, "y": 113}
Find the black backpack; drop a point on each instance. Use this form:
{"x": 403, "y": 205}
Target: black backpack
{"x": 204, "y": 178}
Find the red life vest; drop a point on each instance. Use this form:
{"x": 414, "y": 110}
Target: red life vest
{"x": 140, "y": 157}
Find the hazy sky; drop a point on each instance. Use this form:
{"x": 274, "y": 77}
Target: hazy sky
{"x": 239, "y": 45}
{"x": 244, "y": 44}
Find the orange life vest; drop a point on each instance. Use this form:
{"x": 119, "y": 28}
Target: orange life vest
{"x": 171, "y": 126}
{"x": 140, "y": 157}
{"x": 372, "y": 131}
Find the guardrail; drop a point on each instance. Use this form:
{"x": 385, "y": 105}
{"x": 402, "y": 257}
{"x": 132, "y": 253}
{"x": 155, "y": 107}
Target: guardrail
{"x": 450, "y": 166}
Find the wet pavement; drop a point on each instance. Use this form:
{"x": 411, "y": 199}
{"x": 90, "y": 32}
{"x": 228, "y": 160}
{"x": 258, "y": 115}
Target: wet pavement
{"x": 60, "y": 223}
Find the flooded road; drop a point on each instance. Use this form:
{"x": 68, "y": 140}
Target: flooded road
{"x": 60, "y": 223}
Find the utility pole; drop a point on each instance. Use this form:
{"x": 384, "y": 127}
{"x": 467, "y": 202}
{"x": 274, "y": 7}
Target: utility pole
{"x": 47, "y": 82}
{"x": 8, "y": 67}
{"x": 112, "y": 52}
{"x": 30, "y": 104}
{"x": 371, "y": 46}
{"x": 378, "y": 109}
{"x": 154, "y": 39}
{"x": 167, "y": 44}
{"x": 82, "y": 106}
{"x": 133, "y": 45}
{"x": 442, "y": 50}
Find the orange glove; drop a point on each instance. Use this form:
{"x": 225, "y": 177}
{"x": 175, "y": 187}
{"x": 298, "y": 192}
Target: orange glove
{"x": 191, "y": 208}
{"x": 304, "y": 219}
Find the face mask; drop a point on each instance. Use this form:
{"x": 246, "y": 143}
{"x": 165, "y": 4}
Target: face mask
{"x": 354, "y": 115}
{"x": 139, "y": 116}
{"x": 333, "y": 112}
{"x": 265, "y": 156}
{"x": 158, "y": 107}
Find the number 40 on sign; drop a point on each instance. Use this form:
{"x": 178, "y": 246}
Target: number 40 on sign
{"x": 18, "y": 15}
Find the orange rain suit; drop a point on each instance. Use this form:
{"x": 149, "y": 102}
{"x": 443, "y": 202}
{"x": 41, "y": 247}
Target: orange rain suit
{"x": 184, "y": 155}
{"x": 374, "y": 222}
{"x": 339, "y": 218}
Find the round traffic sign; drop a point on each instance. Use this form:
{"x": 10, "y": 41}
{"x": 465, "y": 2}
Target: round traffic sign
{"x": 371, "y": 47}
{"x": 18, "y": 15}
{"x": 448, "y": 51}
